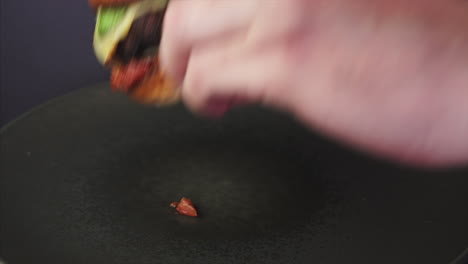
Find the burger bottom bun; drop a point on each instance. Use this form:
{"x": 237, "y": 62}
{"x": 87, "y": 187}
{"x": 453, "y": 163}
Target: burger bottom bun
{"x": 156, "y": 89}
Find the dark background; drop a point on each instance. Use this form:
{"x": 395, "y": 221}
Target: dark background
{"x": 46, "y": 51}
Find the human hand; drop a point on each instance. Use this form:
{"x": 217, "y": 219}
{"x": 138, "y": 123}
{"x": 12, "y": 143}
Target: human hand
{"x": 388, "y": 77}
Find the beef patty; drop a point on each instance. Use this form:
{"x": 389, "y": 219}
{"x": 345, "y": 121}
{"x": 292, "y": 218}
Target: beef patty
{"x": 144, "y": 35}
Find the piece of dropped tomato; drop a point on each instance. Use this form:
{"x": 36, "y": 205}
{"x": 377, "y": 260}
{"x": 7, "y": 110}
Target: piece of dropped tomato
{"x": 186, "y": 207}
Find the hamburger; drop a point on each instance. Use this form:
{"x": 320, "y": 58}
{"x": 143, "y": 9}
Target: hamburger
{"x": 126, "y": 40}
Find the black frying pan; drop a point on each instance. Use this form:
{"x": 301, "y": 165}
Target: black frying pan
{"x": 88, "y": 178}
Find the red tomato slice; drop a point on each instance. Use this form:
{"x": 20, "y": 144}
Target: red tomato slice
{"x": 186, "y": 207}
{"x": 124, "y": 77}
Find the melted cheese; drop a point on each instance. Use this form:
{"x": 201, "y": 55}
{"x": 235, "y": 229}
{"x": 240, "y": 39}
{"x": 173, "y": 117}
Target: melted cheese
{"x": 105, "y": 45}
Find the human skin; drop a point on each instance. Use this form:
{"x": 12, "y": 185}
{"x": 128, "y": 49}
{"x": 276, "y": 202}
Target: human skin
{"x": 386, "y": 77}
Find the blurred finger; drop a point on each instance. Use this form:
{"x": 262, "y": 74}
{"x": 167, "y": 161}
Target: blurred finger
{"x": 191, "y": 22}
{"x": 233, "y": 74}
{"x": 277, "y": 18}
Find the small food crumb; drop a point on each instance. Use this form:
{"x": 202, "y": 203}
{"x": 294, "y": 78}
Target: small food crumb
{"x": 185, "y": 207}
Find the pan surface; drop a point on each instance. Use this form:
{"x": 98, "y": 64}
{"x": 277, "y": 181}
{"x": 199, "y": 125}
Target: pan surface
{"x": 88, "y": 178}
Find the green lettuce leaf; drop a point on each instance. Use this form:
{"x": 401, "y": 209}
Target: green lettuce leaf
{"x": 110, "y": 17}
